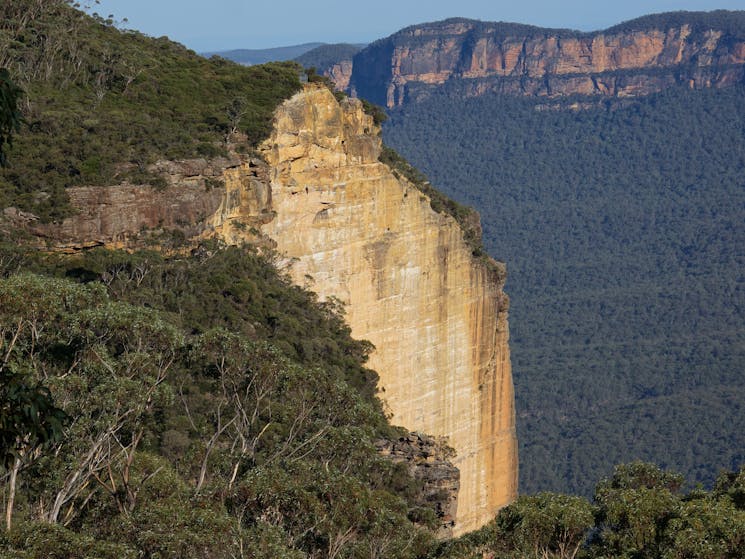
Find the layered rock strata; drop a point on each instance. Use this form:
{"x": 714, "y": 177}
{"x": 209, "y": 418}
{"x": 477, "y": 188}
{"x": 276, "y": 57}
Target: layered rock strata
{"x": 349, "y": 228}
{"x": 517, "y": 59}
{"x": 410, "y": 284}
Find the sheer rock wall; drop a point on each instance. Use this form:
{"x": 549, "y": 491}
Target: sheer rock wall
{"x": 437, "y": 315}
{"x": 348, "y": 227}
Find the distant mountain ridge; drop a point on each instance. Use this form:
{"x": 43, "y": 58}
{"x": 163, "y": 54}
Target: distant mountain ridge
{"x": 637, "y": 57}
{"x": 334, "y": 61}
{"x": 249, "y": 57}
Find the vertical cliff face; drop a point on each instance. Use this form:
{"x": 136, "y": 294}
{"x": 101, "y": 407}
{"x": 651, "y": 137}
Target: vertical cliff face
{"x": 519, "y": 59}
{"x": 437, "y": 316}
{"x": 340, "y": 73}
{"x": 349, "y": 228}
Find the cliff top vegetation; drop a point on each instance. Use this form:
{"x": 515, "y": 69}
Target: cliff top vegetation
{"x": 424, "y": 31}
{"x": 101, "y": 104}
{"x": 729, "y": 22}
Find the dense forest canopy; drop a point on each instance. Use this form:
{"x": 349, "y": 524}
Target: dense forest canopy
{"x": 623, "y": 227}
{"x": 424, "y": 31}
{"x": 729, "y": 22}
{"x": 210, "y": 408}
{"x": 639, "y": 511}
{"x": 10, "y": 114}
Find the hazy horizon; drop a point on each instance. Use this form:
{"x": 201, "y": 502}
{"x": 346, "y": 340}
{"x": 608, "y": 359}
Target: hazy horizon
{"x": 240, "y": 24}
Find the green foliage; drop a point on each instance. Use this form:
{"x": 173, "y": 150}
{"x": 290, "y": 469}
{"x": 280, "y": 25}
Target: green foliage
{"x": 102, "y": 104}
{"x": 376, "y": 111}
{"x": 639, "y": 512}
{"x": 546, "y": 525}
{"x": 635, "y": 506}
{"x": 621, "y": 224}
{"x": 706, "y": 529}
{"x": 40, "y": 540}
{"x": 422, "y": 33}
{"x": 28, "y": 416}
{"x": 321, "y": 510}
{"x": 732, "y": 485}
{"x": 731, "y": 23}
{"x": 314, "y": 77}
{"x": 192, "y": 385}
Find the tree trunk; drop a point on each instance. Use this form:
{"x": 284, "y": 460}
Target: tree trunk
{"x": 12, "y": 493}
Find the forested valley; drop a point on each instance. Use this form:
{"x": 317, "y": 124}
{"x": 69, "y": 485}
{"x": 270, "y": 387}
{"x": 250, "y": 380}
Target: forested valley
{"x": 185, "y": 399}
{"x": 622, "y": 224}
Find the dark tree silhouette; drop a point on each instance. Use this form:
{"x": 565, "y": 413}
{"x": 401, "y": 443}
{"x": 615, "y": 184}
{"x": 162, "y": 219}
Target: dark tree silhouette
{"x": 10, "y": 116}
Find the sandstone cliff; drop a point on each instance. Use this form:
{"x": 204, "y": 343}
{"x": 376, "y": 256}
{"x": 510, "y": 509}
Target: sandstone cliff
{"x": 340, "y": 73}
{"x": 693, "y": 50}
{"x": 349, "y": 228}
{"x": 436, "y": 315}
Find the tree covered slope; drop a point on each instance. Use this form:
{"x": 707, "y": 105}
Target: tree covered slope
{"x": 197, "y": 405}
{"x": 208, "y": 408}
{"x": 101, "y": 104}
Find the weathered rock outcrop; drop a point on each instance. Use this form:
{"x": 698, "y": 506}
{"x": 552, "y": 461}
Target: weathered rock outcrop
{"x": 349, "y": 228}
{"x": 428, "y": 461}
{"x": 525, "y": 60}
{"x": 117, "y": 215}
{"x": 340, "y": 73}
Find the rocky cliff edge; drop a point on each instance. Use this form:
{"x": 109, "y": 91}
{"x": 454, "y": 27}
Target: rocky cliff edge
{"x": 347, "y": 227}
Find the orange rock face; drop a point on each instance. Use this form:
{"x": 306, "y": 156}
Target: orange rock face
{"x": 436, "y": 314}
{"x": 540, "y": 64}
{"x": 340, "y": 74}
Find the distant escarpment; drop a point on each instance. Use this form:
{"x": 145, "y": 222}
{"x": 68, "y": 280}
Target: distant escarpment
{"x": 355, "y": 230}
{"x": 334, "y": 61}
{"x": 695, "y": 49}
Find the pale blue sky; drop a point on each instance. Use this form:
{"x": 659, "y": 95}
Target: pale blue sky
{"x": 207, "y": 25}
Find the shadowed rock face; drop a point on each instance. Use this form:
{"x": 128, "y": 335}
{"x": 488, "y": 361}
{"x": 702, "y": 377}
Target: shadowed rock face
{"x": 525, "y": 60}
{"x": 428, "y": 460}
{"x": 340, "y": 73}
{"x": 350, "y": 228}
